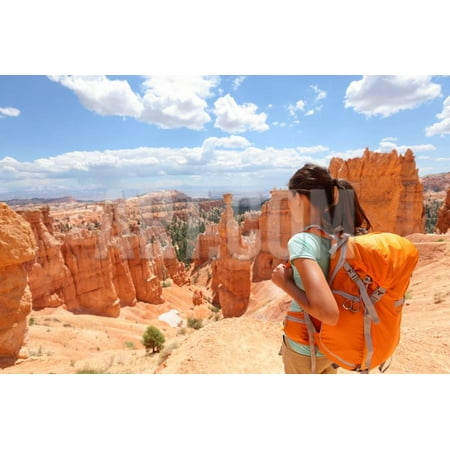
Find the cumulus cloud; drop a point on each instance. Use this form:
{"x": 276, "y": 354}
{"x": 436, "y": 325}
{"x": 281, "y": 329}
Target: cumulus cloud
{"x": 168, "y": 102}
{"x": 386, "y": 95}
{"x": 175, "y": 102}
{"x": 235, "y": 118}
{"x": 443, "y": 126}
{"x": 103, "y": 96}
{"x": 9, "y": 112}
{"x": 146, "y": 167}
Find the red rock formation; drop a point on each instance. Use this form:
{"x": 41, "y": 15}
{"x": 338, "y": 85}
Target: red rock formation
{"x": 17, "y": 248}
{"x": 388, "y": 188}
{"x": 207, "y": 246}
{"x": 197, "y": 298}
{"x": 91, "y": 267}
{"x": 231, "y": 281}
{"x": 143, "y": 270}
{"x": 275, "y": 229}
{"x": 250, "y": 222}
{"x": 50, "y": 280}
{"x": 176, "y": 269}
{"x": 443, "y": 222}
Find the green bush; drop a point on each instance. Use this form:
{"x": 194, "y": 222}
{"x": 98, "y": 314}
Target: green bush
{"x": 153, "y": 339}
{"x": 194, "y": 323}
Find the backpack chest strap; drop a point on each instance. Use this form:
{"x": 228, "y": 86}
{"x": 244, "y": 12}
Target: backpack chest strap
{"x": 370, "y": 308}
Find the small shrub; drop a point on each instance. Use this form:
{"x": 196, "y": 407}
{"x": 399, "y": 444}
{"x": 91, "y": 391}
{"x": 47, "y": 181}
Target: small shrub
{"x": 194, "y": 323}
{"x": 153, "y": 339}
{"x": 129, "y": 344}
{"x": 31, "y": 321}
{"x": 88, "y": 370}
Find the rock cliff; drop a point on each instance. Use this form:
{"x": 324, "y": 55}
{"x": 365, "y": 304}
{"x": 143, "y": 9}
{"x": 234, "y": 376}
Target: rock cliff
{"x": 100, "y": 262}
{"x": 388, "y": 188}
{"x": 50, "y": 280}
{"x": 443, "y": 223}
{"x": 207, "y": 246}
{"x": 17, "y": 250}
{"x": 275, "y": 229}
{"x": 231, "y": 270}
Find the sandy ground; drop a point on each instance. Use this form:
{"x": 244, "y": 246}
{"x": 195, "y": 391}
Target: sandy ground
{"x": 63, "y": 343}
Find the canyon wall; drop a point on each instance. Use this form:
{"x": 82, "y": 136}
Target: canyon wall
{"x": 443, "y": 222}
{"x": 388, "y": 188}
{"x": 100, "y": 266}
{"x": 17, "y": 250}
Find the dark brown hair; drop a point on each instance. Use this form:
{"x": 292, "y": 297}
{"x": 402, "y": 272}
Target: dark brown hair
{"x": 319, "y": 186}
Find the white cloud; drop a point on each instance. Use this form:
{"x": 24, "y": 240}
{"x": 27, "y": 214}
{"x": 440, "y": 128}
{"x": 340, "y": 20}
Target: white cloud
{"x": 145, "y": 168}
{"x": 442, "y": 127}
{"x": 320, "y": 94}
{"x": 103, "y": 96}
{"x": 175, "y": 102}
{"x": 299, "y": 106}
{"x": 235, "y": 118}
{"x": 386, "y": 95}
{"x": 238, "y": 81}
{"x": 168, "y": 102}
{"x": 9, "y": 112}
{"x": 389, "y": 143}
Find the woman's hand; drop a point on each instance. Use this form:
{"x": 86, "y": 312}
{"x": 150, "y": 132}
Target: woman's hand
{"x": 282, "y": 275}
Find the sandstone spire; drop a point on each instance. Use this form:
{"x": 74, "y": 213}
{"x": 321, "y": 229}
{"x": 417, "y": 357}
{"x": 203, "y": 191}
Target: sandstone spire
{"x": 388, "y": 188}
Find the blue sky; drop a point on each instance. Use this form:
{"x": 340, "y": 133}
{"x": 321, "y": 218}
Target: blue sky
{"x": 120, "y": 135}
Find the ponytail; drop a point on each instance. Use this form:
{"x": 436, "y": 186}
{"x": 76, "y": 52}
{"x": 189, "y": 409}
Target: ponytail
{"x": 335, "y": 198}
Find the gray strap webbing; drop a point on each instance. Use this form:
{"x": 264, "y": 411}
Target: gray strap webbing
{"x": 340, "y": 263}
{"x": 353, "y": 298}
{"x": 399, "y": 302}
{"x": 363, "y": 291}
{"x": 377, "y": 294}
{"x": 311, "y": 330}
{"x": 368, "y": 338}
{"x": 295, "y": 319}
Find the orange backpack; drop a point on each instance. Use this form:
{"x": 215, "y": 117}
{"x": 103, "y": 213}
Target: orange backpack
{"x": 368, "y": 275}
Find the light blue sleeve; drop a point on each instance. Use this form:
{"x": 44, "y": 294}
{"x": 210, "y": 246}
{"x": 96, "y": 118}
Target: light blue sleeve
{"x": 304, "y": 245}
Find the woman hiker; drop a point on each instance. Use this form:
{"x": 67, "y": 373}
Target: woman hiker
{"x": 315, "y": 198}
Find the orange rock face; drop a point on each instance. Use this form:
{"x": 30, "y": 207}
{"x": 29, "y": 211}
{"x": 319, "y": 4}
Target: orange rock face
{"x": 17, "y": 248}
{"x": 207, "y": 246}
{"x": 388, "y": 188}
{"x": 50, "y": 280}
{"x": 443, "y": 223}
{"x": 99, "y": 259}
{"x": 231, "y": 271}
{"x": 275, "y": 229}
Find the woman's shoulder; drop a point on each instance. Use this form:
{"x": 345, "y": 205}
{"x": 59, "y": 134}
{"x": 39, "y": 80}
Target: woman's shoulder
{"x": 305, "y": 237}
{"x": 308, "y": 245}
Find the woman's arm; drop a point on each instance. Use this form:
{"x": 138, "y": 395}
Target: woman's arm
{"x": 322, "y": 303}
{"x": 317, "y": 299}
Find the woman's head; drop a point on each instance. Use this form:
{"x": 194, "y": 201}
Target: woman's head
{"x": 317, "y": 196}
